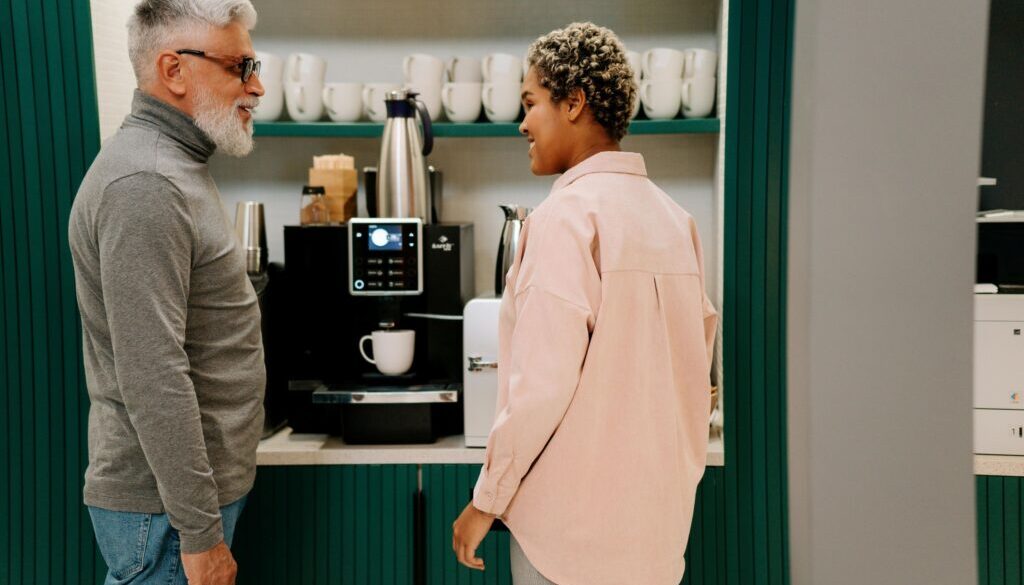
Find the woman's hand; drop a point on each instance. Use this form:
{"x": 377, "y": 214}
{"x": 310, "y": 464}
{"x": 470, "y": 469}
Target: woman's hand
{"x": 467, "y": 532}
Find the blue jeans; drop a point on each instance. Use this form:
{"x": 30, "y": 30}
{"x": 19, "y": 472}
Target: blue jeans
{"x": 143, "y": 549}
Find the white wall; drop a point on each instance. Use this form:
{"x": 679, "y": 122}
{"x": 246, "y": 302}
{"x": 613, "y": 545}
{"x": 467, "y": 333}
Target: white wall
{"x": 886, "y": 119}
{"x": 367, "y": 41}
{"x": 479, "y": 174}
{"x": 115, "y": 81}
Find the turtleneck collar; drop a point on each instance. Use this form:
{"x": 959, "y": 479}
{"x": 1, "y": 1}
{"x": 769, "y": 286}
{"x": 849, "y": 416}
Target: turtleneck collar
{"x": 177, "y": 125}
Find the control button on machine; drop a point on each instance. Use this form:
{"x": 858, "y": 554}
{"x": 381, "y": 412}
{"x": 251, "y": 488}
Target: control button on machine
{"x": 359, "y": 284}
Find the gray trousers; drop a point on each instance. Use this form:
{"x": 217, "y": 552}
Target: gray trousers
{"x": 523, "y": 572}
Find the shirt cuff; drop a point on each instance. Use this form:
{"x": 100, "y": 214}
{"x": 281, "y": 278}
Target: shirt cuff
{"x": 202, "y": 541}
{"x": 488, "y": 497}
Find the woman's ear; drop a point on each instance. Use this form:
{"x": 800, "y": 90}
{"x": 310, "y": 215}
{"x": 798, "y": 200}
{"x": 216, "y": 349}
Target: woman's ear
{"x": 576, "y": 102}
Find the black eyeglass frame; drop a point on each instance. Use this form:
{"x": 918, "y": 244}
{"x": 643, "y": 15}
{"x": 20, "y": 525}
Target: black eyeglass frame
{"x": 247, "y": 66}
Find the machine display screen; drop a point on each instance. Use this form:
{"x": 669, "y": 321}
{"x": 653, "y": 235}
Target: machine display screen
{"x": 385, "y": 237}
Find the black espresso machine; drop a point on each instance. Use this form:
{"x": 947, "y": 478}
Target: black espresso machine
{"x": 405, "y": 271}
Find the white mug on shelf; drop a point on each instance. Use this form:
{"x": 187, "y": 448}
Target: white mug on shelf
{"x": 700, "y": 63}
{"x": 661, "y": 98}
{"x": 502, "y": 68}
{"x": 344, "y": 101}
{"x": 303, "y": 85}
{"x": 424, "y": 74}
{"x": 636, "y": 64}
{"x": 464, "y": 70}
{"x": 662, "y": 64}
{"x": 393, "y": 350}
{"x": 271, "y": 76}
{"x": 373, "y": 100}
{"x": 698, "y": 96}
{"x": 462, "y": 101}
{"x": 501, "y": 101}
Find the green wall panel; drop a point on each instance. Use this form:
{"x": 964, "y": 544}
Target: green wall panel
{"x": 754, "y": 308}
{"x": 49, "y": 132}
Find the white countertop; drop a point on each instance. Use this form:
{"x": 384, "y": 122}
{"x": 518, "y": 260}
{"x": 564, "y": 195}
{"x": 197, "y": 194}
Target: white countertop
{"x": 288, "y": 448}
{"x": 1007, "y": 465}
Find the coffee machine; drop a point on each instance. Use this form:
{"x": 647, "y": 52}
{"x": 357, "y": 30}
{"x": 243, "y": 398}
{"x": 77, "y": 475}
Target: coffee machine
{"x": 407, "y": 271}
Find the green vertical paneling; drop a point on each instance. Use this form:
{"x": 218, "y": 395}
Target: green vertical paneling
{"x": 294, "y": 527}
{"x": 49, "y": 130}
{"x": 447, "y": 490}
{"x": 1000, "y": 525}
{"x": 753, "y": 317}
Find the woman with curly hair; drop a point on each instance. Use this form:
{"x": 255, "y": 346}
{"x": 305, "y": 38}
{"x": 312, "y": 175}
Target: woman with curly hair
{"x": 606, "y": 333}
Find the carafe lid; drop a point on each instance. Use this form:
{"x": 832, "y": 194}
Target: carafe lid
{"x": 400, "y": 94}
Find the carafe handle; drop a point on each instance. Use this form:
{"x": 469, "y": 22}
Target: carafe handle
{"x": 428, "y": 130}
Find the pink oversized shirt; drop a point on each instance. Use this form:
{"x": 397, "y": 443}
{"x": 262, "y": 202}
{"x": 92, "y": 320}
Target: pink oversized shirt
{"x": 606, "y": 334}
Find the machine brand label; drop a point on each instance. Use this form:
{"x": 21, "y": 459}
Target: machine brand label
{"x": 443, "y": 244}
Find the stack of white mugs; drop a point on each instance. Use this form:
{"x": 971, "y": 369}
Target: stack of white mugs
{"x": 459, "y": 88}
{"x": 463, "y": 86}
{"x": 675, "y": 79}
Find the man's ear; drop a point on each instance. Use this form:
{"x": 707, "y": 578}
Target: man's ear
{"x": 170, "y": 72}
{"x": 576, "y": 102}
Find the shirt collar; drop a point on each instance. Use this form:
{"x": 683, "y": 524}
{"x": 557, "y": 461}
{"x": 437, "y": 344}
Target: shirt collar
{"x": 179, "y": 126}
{"x": 630, "y": 163}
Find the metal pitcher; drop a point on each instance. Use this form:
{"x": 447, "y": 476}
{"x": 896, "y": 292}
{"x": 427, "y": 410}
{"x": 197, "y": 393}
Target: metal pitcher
{"x": 515, "y": 215}
{"x": 402, "y": 183}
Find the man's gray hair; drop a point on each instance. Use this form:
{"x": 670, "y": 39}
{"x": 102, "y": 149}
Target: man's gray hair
{"x": 156, "y": 23}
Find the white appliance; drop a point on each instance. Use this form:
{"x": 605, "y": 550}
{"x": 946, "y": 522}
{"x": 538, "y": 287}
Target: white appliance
{"x": 999, "y": 374}
{"x": 480, "y": 368}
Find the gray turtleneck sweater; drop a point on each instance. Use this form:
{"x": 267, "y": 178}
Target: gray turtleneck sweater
{"x": 171, "y": 329}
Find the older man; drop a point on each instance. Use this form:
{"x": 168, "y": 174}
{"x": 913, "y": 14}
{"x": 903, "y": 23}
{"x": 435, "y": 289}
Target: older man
{"x": 171, "y": 336}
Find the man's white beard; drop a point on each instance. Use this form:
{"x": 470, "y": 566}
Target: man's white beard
{"x": 223, "y": 124}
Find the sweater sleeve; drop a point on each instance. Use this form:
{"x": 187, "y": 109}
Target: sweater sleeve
{"x": 147, "y": 244}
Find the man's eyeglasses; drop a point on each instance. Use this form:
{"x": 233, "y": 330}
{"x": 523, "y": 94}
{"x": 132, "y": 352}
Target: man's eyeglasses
{"x": 245, "y": 66}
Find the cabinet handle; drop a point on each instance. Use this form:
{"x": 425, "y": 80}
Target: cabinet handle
{"x": 477, "y": 364}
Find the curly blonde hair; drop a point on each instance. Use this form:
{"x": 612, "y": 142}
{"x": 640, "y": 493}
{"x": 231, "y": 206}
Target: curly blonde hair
{"x": 588, "y": 57}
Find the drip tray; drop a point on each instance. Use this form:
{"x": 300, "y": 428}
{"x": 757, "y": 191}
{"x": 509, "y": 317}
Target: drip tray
{"x": 394, "y": 414}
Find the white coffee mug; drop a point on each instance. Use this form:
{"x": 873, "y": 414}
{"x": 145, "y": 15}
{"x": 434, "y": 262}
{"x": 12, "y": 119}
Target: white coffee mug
{"x": 661, "y": 97}
{"x": 502, "y": 68}
{"x": 464, "y": 70}
{"x": 373, "y": 100}
{"x": 501, "y": 101}
{"x": 462, "y": 101}
{"x": 636, "y": 64}
{"x": 271, "y": 76}
{"x": 663, "y": 64}
{"x": 424, "y": 74}
{"x": 344, "y": 101}
{"x": 700, "y": 63}
{"x": 393, "y": 350}
{"x": 698, "y": 96}
{"x": 303, "y": 86}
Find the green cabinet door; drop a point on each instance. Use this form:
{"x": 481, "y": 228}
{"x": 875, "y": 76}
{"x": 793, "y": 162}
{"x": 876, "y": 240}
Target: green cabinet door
{"x": 328, "y": 525}
{"x": 446, "y": 491}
